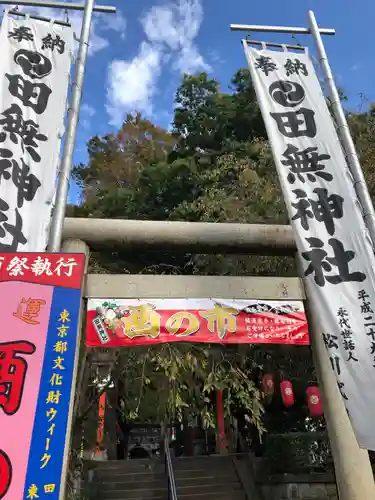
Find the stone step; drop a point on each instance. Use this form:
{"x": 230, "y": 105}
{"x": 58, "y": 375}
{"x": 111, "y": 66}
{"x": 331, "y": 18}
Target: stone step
{"x": 126, "y": 464}
{"x": 205, "y": 458}
{"x": 218, "y": 489}
{"x": 206, "y": 480}
{"x": 237, "y": 495}
{"x": 121, "y": 475}
{"x": 156, "y": 497}
{"x": 196, "y": 474}
{"x": 126, "y": 494}
{"x": 132, "y": 485}
{"x": 218, "y": 468}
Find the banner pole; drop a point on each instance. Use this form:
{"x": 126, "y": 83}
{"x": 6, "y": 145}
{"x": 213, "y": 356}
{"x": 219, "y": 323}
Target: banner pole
{"x": 107, "y": 9}
{"x": 71, "y": 133}
{"x": 344, "y": 131}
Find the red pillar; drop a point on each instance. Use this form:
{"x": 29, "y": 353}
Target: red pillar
{"x": 100, "y": 429}
{"x": 221, "y": 438}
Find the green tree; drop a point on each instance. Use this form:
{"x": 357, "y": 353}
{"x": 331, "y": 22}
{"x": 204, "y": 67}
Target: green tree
{"x": 209, "y": 120}
{"x": 178, "y": 381}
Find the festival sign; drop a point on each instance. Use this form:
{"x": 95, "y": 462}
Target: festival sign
{"x": 333, "y": 244}
{"x": 39, "y": 308}
{"x": 35, "y": 64}
{"x": 128, "y": 322}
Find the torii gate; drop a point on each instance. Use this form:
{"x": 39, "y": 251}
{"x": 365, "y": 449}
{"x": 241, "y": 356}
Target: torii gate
{"x": 353, "y": 471}
{"x": 352, "y": 466}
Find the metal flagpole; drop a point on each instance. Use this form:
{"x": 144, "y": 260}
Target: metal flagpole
{"x": 344, "y": 132}
{"x": 278, "y": 29}
{"x": 73, "y": 114}
{"x": 107, "y": 9}
{"x": 38, "y": 18}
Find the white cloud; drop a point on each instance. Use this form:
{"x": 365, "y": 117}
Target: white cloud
{"x": 190, "y": 60}
{"x": 86, "y": 113}
{"x": 171, "y": 30}
{"x": 101, "y": 23}
{"x": 176, "y": 26}
{"x": 132, "y": 84}
{"x": 115, "y": 22}
{"x": 88, "y": 110}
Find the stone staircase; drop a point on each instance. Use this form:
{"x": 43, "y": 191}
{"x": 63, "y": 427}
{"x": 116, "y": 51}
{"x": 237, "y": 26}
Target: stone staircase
{"x": 214, "y": 477}
{"x": 129, "y": 480}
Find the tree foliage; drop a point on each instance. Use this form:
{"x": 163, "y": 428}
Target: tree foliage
{"x": 179, "y": 381}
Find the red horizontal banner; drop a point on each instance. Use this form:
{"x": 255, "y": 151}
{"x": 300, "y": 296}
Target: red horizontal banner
{"x": 55, "y": 269}
{"x": 116, "y": 324}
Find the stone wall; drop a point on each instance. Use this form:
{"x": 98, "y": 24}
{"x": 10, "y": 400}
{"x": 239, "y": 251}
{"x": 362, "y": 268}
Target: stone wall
{"x": 299, "y": 487}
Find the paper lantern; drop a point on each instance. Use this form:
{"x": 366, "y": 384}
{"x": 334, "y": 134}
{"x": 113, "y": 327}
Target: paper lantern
{"x": 287, "y": 392}
{"x": 268, "y": 384}
{"x": 314, "y": 401}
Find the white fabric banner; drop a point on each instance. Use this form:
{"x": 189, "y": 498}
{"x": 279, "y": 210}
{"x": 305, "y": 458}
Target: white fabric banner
{"x": 332, "y": 240}
{"x": 35, "y": 65}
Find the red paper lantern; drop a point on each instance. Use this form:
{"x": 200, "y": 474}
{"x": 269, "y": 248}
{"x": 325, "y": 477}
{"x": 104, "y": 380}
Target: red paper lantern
{"x": 268, "y": 384}
{"x": 314, "y": 401}
{"x": 287, "y": 394}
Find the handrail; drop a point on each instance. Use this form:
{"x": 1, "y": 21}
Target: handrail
{"x": 172, "y": 492}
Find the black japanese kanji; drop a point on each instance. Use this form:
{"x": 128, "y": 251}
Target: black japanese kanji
{"x": 370, "y": 328}
{"x": 21, "y": 33}
{"x": 305, "y": 163}
{"x": 5, "y": 164}
{"x": 14, "y": 231}
{"x": 324, "y": 209}
{"x": 349, "y": 345}
{"x": 33, "y": 95}
{"x": 320, "y": 263}
{"x": 33, "y": 64}
{"x": 342, "y": 312}
{"x": 346, "y": 333}
{"x": 295, "y": 67}
{"x": 15, "y": 127}
{"x": 344, "y": 323}
{"x": 366, "y": 308}
{"x": 53, "y": 42}
{"x": 26, "y": 183}
{"x": 287, "y": 94}
{"x": 299, "y": 123}
{"x": 362, "y": 295}
{"x": 335, "y": 363}
{"x": 265, "y": 64}
{"x": 341, "y": 386}
{"x": 351, "y": 356}
{"x": 330, "y": 341}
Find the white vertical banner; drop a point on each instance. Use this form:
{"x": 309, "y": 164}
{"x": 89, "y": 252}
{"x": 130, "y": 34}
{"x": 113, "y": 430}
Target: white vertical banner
{"x": 35, "y": 66}
{"x": 332, "y": 240}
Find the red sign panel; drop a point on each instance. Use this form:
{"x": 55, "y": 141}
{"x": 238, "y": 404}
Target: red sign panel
{"x": 116, "y": 323}
{"x": 55, "y": 269}
{"x": 39, "y": 309}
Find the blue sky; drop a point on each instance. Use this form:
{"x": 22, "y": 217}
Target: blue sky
{"x": 138, "y": 55}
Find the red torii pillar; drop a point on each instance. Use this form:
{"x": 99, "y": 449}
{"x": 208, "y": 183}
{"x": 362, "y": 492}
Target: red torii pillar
{"x": 221, "y": 437}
